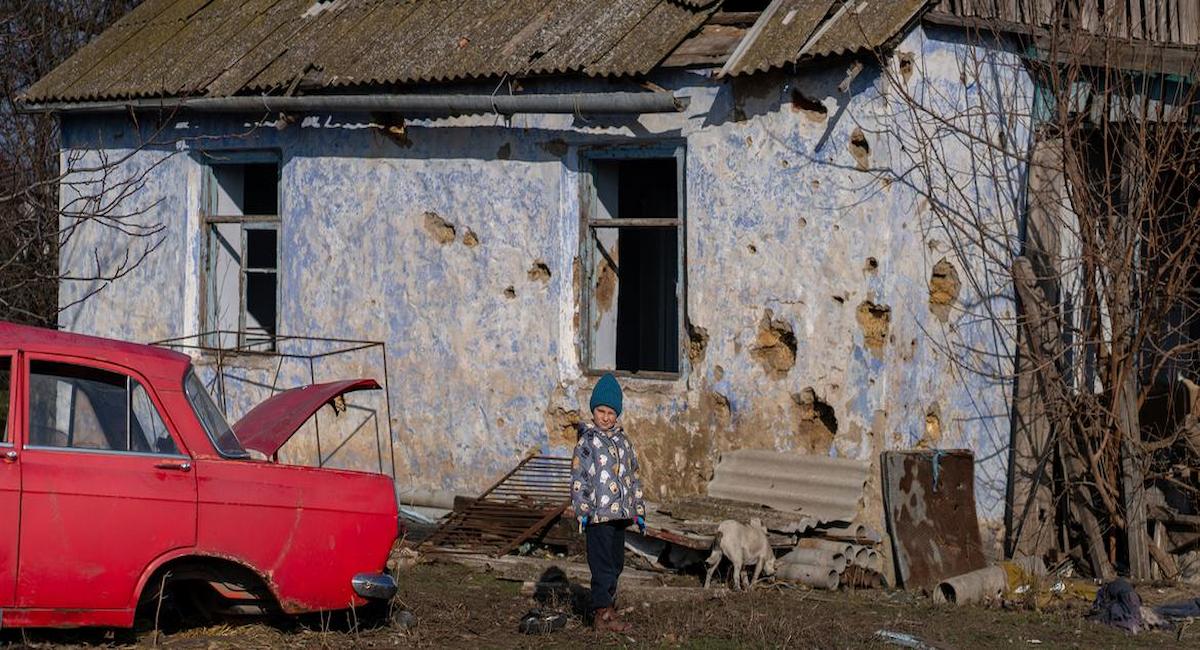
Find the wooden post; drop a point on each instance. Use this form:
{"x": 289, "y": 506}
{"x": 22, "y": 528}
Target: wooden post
{"x": 1030, "y": 514}
{"x": 1044, "y": 346}
{"x": 1124, "y": 360}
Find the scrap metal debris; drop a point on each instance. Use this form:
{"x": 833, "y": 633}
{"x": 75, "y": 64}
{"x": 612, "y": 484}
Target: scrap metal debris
{"x": 520, "y": 506}
{"x": 929, "y": 505}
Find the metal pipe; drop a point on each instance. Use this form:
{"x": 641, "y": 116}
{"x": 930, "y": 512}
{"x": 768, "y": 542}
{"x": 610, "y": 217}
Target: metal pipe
{"x": 413, "y": 104}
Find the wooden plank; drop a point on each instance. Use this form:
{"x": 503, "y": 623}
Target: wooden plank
{"x": 1189, "y": 22}
{"x": 1043, "y": 344}
{"x": 1031, "y": 525}
{"x": 1122, "y": 54}
{"x": 1122, "y": 317}
{"x": 734, "y": 18}
{"x": 714, "y": 43}
{"x": 1117, "y": 18}
{"x": 1150, "y": 12}
{"x": 633, "y": 223}
{"x": 1137, "y": 25}
{"x": 1089, "y": 16}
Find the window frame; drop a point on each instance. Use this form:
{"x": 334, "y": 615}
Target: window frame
{"x": 210, "y": 219}
{"x": 588, "y": 198}
{"x": 129, "y": 374}
{"x": 13, "y": 422}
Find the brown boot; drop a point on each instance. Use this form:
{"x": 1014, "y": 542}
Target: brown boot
{"x": 607, "y": 620}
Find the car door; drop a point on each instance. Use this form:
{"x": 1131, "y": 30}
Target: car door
{"x": 107, "y": 486}
{"x": 10, "y": 481}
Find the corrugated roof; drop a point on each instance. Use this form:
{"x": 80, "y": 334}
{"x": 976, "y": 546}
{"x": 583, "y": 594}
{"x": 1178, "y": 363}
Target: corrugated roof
{"x": 220, "y": 48}
{"x": 168, "y": 48}
{"x": 793, "y": 29}
{"x": 826, "y": 489}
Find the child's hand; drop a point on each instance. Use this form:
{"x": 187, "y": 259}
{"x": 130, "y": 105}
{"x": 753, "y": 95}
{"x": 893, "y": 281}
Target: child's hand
{"x": 641, "y": 524}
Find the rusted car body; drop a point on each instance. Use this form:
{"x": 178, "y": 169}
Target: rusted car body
{"x": 119, "y": 478}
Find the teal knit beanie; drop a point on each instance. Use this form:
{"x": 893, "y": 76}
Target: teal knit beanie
{"x": 607, "y": 393}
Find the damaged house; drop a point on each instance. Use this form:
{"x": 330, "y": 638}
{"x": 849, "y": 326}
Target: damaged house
{"x": 728, "y": 204}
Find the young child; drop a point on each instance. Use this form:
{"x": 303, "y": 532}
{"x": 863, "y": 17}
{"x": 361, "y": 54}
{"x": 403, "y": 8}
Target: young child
{"x": 607, "y": 497}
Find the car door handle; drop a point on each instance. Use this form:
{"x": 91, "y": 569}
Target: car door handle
{"x": 177, "y": 466}
{"x": 10, "y": 456}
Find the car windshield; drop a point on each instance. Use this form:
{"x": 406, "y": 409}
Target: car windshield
{"x": 212, "y": 419}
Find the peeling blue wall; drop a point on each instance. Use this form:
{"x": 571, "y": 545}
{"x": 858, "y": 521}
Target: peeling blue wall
{"x": 779, "y": 217}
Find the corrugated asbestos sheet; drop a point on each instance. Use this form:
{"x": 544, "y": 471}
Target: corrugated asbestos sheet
{"x": 833, "y": 27}
{"x": 827, "y": 489}
{"x": 166, "y": 48}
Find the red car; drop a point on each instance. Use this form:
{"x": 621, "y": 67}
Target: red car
{"x": 120, "y": 480}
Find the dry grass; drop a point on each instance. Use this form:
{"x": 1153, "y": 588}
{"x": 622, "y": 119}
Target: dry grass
{"x": 460, "y": 608}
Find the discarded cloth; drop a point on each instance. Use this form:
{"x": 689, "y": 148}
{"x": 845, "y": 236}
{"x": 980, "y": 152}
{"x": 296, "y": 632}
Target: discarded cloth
{"x": 1181, "y": 609}
{"x": 1117, "y": 604}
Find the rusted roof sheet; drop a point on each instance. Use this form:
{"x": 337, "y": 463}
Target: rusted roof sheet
{"x": 790, "y": 30}
{"x": 169, "y": 48}
{"x": 826, "y": 489}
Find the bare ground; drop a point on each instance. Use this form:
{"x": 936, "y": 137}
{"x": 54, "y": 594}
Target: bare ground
{"x": 461, "y": 608}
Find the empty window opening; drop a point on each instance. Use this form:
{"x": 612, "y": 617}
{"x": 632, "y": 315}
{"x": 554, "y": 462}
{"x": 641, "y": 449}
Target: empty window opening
{"x": 634, "y": 301}
{"x": 88, "y": 408}
{"x": 242, "y": 255}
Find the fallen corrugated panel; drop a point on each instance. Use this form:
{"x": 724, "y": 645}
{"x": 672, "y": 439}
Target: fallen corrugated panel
{"x": 929, "y": 504}
{"x": 220, "y": 48}
{"x": 826, "y": 489}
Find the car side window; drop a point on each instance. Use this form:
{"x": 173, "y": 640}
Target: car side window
{"x": 148, "y": 433}
{"x": 79, "y": 407}
{"x": 5, "y": 382}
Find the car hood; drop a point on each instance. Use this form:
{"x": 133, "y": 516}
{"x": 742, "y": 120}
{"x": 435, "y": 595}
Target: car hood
{"x": 273, "y": 422}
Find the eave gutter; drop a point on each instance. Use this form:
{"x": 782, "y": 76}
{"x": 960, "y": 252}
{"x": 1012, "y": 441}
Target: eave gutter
{"x": 423, "y": 105}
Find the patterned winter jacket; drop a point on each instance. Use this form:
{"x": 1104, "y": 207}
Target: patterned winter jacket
{"x": 604, "y": 476}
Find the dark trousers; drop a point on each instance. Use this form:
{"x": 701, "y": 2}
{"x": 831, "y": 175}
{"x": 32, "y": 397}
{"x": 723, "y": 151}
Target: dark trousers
{"x": 606, "y": 559}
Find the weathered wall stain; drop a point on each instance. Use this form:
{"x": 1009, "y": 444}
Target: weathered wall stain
{"x": 469, "y": 238}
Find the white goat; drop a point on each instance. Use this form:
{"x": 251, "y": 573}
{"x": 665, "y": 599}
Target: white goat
{"x": 743, "y": 545}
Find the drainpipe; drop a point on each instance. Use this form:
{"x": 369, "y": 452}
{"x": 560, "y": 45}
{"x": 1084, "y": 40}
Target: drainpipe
{"x": 422, "y": 105}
